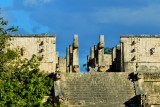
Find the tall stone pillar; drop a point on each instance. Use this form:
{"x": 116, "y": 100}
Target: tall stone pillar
{"x": 101, "y": 51}
{"x": 113, "y": 54}
{"x": 122, "y": 56}
{"x": 70, "y": 58}
{"x": 75, "y": 54}
{"x": 101, "y": 43}
{"x": 88, "y": 63}
{"x": 75, "y": 51}
{"x": 92, "y": 52}
{"x": 67, "y": 59}
{"x": 72, "y": 54}
{"x": 75, "y": 41}
{"x": 95, "y": 55}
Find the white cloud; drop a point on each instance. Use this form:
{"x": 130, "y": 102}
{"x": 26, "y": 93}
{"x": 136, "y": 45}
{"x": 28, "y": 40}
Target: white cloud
{"x": 129, "y": 16}
{"x": 36, "y": 2}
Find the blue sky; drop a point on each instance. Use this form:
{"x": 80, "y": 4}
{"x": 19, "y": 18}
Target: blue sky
{"x": 87, "y": 18}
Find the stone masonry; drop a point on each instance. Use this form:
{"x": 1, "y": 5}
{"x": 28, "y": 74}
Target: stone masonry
{"x": 70, "y": 63}
{"x": 98, "y": 61}
{"x": 116, "y": 59}
{"x": 147, "y": 87}
{"x": 96, "y": 90}
{"x": 43, "y": 45}
{"x": 140, "y": 52}
{"x": 61, "y": 65}
{"x": 133, "y": 79}
{"x": 72, "y": 56}
{"x": 129, "y": 77}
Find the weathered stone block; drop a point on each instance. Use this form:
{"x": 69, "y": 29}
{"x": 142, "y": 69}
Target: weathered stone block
{"x": 40, "y": 45}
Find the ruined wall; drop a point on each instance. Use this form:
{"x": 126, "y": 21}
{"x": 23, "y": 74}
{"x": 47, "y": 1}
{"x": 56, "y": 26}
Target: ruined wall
{"x": 40, "y": 45}
{"x": 61, "y": 65}
{"x": 140, "y": 52}
{"x": 98, "y": 61}
{"x": 107, "y": 61}
{"x": 137, "y": 85}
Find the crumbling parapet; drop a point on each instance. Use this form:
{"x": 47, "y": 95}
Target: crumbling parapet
{"x": 69, "y": 63}
{"x": 61, "y": 65}
{"x": 72, "y": 56}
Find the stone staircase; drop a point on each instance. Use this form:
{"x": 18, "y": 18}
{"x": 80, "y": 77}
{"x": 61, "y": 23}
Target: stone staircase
{"x": 98, "y": 89}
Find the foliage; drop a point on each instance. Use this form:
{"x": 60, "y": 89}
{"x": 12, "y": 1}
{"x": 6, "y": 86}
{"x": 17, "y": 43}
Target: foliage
{"x": 24, "y": 85}
{"x": 59, "y": 104}
{"x": 107, "y": 50}
{"x": 50, "y": 101}
{"x": 22, "y": 82}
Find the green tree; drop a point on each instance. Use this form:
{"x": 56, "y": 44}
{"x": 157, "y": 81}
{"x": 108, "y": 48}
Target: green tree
{"x": 107, "y": 50}
{"x": 22, "y": 83}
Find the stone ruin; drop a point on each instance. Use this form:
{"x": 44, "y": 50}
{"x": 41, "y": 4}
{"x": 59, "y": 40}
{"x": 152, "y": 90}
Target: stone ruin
{"x": 98, "y": 61}
{"x": 43, "y": 45}
{"x": 70, "y": 63}
{"x": 129, "y": 77}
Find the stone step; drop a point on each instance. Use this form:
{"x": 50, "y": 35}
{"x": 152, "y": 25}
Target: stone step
{"x": 98, "y": 89}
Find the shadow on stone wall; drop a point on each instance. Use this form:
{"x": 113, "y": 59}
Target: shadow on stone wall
{"x": 133, "y": 102}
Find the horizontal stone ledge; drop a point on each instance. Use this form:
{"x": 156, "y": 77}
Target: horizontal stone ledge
{"x": 32, "y": 35}
{"x": 152, "y": 80}
{"x": 140, "y": 36}
{"x": 141, "y": 62}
